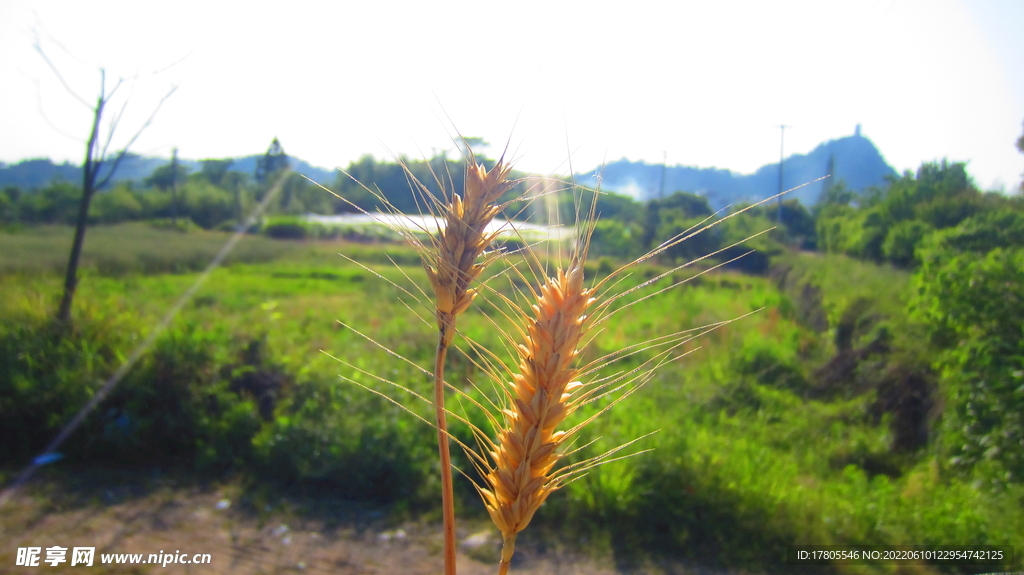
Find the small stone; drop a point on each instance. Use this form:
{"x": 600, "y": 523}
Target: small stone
{"x": 481, "y": 546}
{"x": 477, "y": 540}
{"x": 398, "y": 535}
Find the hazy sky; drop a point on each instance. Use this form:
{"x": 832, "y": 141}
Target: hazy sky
{"x": 706, "y": 83}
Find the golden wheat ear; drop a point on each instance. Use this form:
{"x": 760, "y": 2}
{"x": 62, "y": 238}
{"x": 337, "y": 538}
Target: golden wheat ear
{"x": 452, "y": 262}
{"x": 520, "y": 466}
{"x": 527, "y": 448}
{"x": 453, "y": 255}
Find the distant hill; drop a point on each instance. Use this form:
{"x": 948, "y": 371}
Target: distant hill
{"x": 248, "y": 165}
{"x": 855, "y": 159}
{"x": 30, "y": 174}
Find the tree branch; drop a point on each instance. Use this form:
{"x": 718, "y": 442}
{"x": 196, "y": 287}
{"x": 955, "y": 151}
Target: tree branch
{"x": 42, "y": 112}
{"x": 39, "y": 48}
{"x": 124, "y": 150}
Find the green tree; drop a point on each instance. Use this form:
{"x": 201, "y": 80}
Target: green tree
{"x": 208, "y": 205}
{"x": 970, "y": 296}
{"x": 236, "y": 183}
{"x": 166, "y": 178}
{"x": 651, "y": 224}
{"x": 215, "y": 170}
{"x": 755, "y": 253}
{"x": 901, "y": 242}
{"x": 940, "y": 195}
{"x": 9, "y": 203}
{"x": 1020, "y": 146}
{"x": 675, "y": 224}
{"x": 936, "y": 183}
{"x": 292, "y": 194}
{"x": 609, "y": 205}
{"x": 691, "y": 204}
{"x": 57, "y": 203}
{"x": 218, "y": 174}
{"x": 117, "y": 205}
{"x": 614, "y": 238}
{"x": 798, "y": 227}
{"x": 271, "y": 163}
{"x": 663, "y": 215}
{"x": 835, "y": 194}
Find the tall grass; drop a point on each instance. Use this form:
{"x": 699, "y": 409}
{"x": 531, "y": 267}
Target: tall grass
{"x": 129, "y": 248}
{"x": 743, "y": 463}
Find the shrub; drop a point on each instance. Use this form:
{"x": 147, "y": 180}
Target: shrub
{"x": 901, "y": 242}
{"x": 44, "y": 379}
{"x": 286, "y": 231}
{"x": 349, "y": 441}
{"x": 117, "y": 205}
{"x": 616, "y": 239}
{"x": 175, "y": 406}
{"x": 972, "y": 304}
{"x": 771, "y": 365}
{"x": 178, "y": 406}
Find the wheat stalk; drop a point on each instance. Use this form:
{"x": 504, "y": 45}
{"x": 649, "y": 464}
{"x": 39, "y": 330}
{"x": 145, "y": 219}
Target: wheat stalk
{"x": 450, "y": 259}
{"x": 451, "y": 265}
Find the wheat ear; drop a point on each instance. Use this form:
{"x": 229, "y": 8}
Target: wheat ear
{"x": 520, "y": 478}
{"x": 451, "y": 265}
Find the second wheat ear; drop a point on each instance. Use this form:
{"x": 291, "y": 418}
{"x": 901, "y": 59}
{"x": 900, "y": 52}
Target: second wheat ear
{"x": 451, "y": 262}
{"x": 520, "y": 479}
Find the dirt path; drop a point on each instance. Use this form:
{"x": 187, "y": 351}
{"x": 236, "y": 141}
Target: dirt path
{"x": 245, "y": 535}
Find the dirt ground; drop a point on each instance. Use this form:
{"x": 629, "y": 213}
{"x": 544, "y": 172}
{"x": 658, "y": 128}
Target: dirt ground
{"x": 247, "y": 533}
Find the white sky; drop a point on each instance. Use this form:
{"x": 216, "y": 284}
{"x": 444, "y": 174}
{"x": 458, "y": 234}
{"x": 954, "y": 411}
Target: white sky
{"x": 705, "y": 82}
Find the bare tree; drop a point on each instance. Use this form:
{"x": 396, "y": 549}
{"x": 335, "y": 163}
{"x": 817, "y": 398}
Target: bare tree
{"x": 99, "y": 168}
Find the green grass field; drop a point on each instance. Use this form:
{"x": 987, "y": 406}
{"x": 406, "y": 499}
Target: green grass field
{"x": 744, "y": 460}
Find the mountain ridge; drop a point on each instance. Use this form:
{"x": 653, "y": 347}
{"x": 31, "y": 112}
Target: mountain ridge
{"x": 38, "y": 172}
{"x": 854, "y": 160}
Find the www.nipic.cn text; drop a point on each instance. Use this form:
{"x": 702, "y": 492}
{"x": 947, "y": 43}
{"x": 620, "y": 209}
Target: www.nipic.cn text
{"x": 84, "y": 556}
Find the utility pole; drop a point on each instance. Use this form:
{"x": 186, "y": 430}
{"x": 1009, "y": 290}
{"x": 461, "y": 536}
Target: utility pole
{"x": 174, "y": 187}
{"x": 782, "y": 140}
{"x": 661, "y": 186}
